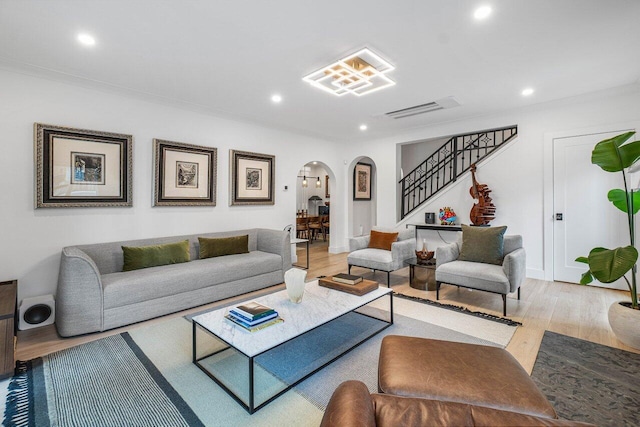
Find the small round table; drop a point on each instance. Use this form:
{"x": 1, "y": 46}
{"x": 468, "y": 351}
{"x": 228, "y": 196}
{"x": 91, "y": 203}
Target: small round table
{"x": 424, "y": 277}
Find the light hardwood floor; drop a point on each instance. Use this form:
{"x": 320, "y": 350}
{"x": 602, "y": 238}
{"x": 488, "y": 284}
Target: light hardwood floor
{"x": 578, "y": 311}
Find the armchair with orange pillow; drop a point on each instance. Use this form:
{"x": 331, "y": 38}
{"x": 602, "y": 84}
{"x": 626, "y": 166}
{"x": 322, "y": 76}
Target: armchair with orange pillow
{"x": 382, "y": 250}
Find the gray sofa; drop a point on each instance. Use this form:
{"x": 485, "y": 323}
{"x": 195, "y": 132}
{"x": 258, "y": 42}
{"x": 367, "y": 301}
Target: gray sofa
{"x": 94, "y": 294}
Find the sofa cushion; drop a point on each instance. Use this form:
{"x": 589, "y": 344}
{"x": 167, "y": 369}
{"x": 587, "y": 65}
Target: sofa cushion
{"x": 108, "y": 256}
{"x": 378, "y": 259}
{"x": 482, "y": 244}
{"x": 137, "y": 257}
{"x": 403, "y": 234}
{"x": 380, "y": 240}
{"x": 135, "y": 286}
{"x": 477, "y": 275}
{"x": 414, "y": 412}
{"x": 210, "y": 248}
{"x": 458, "y": 372}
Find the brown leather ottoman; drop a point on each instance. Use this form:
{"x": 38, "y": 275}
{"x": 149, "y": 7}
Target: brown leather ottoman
{"x": 457, "y": 372}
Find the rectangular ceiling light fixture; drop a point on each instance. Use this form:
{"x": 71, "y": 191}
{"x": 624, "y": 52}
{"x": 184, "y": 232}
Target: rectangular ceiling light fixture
{"x": 360, "y": 73}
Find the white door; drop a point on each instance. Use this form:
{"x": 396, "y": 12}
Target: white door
{"x": 584, "y": 218}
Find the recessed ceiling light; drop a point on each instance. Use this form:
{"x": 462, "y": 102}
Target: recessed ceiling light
{"x": 276, "y": 98}
{"x": 528, "y": 91}
{"x": 363, "y": 127}
{"x": 315, "y": 163}
{"x": 482, "y": 12}
{"x": 86, "y": 39}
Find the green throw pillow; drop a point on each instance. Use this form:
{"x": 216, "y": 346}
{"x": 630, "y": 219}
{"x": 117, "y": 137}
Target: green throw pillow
{"x": 210, "y": 248}
{"x": 482, "y": 244}
{"x": 136, "y": 257}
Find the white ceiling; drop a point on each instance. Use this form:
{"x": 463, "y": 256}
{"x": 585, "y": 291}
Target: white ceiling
{"x": 229, "y": 57}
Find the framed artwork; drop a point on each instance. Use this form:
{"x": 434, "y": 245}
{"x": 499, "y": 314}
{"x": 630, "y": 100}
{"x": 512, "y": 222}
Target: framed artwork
{"x": 362, "y": 182}
{"x": 82, "y": 168}
{"x": 252, "y": 178}
{"x": 185, "y": 174}
{"x": 326, "y": 186}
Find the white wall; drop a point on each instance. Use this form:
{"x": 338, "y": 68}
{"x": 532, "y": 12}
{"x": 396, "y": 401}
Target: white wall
{"x": 516, "y": 173}
{"x": 413, "y": 154}
{"x": 32, "y": 239}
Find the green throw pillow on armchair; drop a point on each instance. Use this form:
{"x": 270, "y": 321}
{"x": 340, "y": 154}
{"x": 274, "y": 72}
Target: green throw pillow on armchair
{"x": 482, "y": 244}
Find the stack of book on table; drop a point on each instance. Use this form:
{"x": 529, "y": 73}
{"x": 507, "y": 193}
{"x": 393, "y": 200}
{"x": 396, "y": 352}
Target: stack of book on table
{"x": 254, "y": 316}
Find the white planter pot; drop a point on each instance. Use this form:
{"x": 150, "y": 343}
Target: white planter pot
{"x": 625, "y": 323}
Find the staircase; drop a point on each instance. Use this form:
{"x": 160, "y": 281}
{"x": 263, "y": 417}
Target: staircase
{"x": 449, "y": 162}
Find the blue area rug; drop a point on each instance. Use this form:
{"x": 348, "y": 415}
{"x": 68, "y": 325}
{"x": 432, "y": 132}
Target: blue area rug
{"x": 589, "y": 382}
{"x": 295, "y": 359}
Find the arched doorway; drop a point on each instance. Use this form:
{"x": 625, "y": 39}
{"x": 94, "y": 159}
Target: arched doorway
{"x": 313, "y": 201}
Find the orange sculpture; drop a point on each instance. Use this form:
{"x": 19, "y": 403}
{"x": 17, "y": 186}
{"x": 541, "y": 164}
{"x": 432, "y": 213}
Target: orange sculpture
{"x": 484, "y": 211}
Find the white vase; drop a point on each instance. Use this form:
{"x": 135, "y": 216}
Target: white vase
{"x": 294, "y": 279}
{"x": 625, "y": 323}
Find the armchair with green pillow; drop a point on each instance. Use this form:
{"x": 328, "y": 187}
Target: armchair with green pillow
{"x": 486, "y": 259}
{"x": 382, "y": 250}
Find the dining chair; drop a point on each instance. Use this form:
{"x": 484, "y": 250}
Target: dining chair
{"x": 315, "y": 227}
{"x": 302, "y": 227}
{"x": 324, "y": 221}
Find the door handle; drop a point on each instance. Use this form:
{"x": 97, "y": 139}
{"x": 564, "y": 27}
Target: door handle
{"x": 558, "y": 217}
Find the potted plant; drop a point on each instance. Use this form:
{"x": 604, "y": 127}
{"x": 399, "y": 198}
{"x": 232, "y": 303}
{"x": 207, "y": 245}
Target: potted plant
{"x": 608, "y": 265}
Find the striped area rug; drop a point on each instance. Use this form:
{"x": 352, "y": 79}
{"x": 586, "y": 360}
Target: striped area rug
{"x": 106, "y": 382}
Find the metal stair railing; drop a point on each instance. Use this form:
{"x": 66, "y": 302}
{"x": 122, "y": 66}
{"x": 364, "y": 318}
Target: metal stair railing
{"x": 448, "y": 163}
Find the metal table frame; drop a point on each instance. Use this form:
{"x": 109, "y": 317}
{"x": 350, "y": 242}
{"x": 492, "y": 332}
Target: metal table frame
{"x": 251, "y": 408}
{"x": 295, "y": 242}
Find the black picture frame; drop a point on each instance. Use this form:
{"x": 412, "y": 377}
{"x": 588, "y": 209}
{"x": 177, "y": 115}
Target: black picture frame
{"x": 362, "y": 181}
{"x": 252, "y": 180}
{"x": 82, "y": 168}
{"x": 185, "y": 174}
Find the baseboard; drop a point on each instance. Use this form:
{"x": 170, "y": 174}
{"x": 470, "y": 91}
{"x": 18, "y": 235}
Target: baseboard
{"x": 535, "y": 273}
{"x": 337, "y": 249}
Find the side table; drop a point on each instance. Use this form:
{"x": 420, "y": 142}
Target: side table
{"x": 295, "y": 242}
{"x": 422, "y": 275}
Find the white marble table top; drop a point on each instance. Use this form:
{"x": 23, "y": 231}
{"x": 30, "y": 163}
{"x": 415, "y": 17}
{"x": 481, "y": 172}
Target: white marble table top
{"x": 296, "y": 240}
{"x": 319, "y": 305}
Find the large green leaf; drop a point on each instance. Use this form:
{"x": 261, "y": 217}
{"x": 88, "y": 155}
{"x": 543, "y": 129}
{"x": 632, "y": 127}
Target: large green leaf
{"x": 608, "y": 265}
{"x": 586, "y": 278}
{"x": 619, "y": 199}
{"x": 612, "y": 156}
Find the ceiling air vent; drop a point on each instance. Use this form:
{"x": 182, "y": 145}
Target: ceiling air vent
{"x": 441, "y": 104}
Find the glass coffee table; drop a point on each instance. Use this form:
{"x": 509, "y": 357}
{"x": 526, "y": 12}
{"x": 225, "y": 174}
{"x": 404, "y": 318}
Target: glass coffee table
{"x": 256, "y": 368}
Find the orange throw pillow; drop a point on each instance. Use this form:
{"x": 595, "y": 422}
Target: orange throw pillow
{"x": 380, "y": 240}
